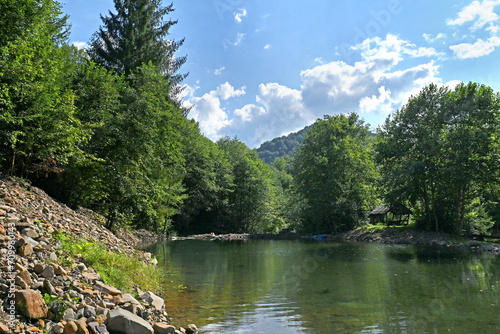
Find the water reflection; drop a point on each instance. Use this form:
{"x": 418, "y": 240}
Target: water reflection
{"x": 298, "y": 287}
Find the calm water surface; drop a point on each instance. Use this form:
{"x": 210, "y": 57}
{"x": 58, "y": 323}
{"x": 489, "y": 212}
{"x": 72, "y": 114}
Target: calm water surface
{"x": 311, "y": 287}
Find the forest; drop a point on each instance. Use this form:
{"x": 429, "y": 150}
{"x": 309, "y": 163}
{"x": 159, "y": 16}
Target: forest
{"x": 105, "y": 128}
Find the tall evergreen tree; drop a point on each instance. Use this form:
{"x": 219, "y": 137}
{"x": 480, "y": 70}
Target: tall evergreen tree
{"x": 135, "y": 35}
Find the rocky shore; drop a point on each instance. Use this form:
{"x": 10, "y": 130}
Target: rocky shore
{"x": 392, "y": 235}
{"x": 40, "y": 294}
{"x": 389, "y": 235}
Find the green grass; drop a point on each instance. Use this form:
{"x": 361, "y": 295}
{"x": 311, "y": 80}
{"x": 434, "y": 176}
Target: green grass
{"x": 119, "y": 270}
{"x": 373, "y": 227}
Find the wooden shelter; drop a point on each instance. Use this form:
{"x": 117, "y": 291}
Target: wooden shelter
{"x": 392, "y": 215}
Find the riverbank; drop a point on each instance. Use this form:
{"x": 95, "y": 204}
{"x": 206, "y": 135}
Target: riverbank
{"x": 386, "y": 235}
{"x": 45, "y": 287}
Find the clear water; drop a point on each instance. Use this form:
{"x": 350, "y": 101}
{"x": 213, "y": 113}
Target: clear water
{"x": 311, "y": 287}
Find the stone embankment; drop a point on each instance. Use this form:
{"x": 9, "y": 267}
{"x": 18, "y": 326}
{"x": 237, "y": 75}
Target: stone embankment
{"x": 39, "y": 294}
{"x": 392, "y": 235}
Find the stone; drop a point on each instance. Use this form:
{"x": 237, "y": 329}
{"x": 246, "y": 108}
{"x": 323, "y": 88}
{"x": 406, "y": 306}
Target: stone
{"x": 53, "y": 257}
{"x": 191, "y": 329}
{"x": 19, "y": 282}
{"x": 81, "y": 324}
{"x": 89, "y": 311}
{"x": 82, "y": 267}
{"x": 30, "y": 233}
{"x": 91, "y": 276}
{"x": 58, "y": 328}
{"x": 58, "y": 270}
{"x": 7, "y": 208}
{"x": 26, "y": 249}
{"x": 120, "y": 320}
{"x": 161, "y": 328}
{"x": 31, "y": 304}
{"x": 48, "y": 287}
{"x": 70, "y": 328}
{"x": 2, "y": 231}
{"x": 30, "y": 241}
{"x": 48, "y": 272}
{"x": 107, "y": 289}
{"x": 153, "y": 300}
{"x": 97, "y": 328}
{"x": 69, "y": 315}
{"x": 4, "y": 329}
{"x": 25, "y": 276}
{"x": 38, "y": 268}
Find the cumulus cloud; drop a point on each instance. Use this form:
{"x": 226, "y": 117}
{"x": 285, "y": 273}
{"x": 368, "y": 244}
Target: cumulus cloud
{"x": 482, "y": 16}
{"x": 280, "y": 112}
{"x": 478, "y": 49}
{"x": 208, "y": 111}
{"x": 481, "y": 12}
{"x": 240, "y": 14}
{"x": 80, "y": 45}
{"x": 226, "y": 91}
{"x": 376, "y": 85}
{"x": 267, "y": 46}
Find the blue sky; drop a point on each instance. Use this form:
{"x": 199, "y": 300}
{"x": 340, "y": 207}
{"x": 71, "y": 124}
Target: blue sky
{"x": 261, "y": 69}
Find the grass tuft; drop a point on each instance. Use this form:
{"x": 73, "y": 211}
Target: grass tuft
{"x": 122, "y": 271}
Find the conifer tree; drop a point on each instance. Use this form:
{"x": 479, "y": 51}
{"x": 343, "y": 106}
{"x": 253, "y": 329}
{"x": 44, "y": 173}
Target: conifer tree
{"x": 135, "y": 35}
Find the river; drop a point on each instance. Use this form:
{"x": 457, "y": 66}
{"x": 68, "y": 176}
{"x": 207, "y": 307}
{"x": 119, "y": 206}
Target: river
{"x": 316, "y": 287}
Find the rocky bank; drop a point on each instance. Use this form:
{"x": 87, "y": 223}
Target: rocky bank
{"x": 39, "y": 294}
{"x": 392, "y": 235}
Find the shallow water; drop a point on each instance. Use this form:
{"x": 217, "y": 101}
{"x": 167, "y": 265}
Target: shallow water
{"x": 312, "y": 287}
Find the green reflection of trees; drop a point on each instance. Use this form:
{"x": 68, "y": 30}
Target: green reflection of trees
{"x": 334, "y": 288}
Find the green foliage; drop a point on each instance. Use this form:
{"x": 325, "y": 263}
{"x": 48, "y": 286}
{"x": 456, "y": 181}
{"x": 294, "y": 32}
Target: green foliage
{"x": 135, "y": 35}
{"x": 120, "y": 270}
{"x": 440, "y": 153}
{"x": 38, "y": 127}
{"x": 282, "y": 147}
{"x": 252, "y": 201}
{"x": 334, "y": 174}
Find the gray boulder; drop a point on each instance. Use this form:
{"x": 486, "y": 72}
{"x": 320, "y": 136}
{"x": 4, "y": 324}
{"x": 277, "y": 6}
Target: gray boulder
{"x": 153, "y": 300}
{"x": 123, "y": 321}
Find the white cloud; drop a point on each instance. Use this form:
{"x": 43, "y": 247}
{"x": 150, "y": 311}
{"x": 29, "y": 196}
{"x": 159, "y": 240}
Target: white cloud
{"x": 210, "y": 115}
{"x": 483, "y": 17}
{"x": 382, "y": 101}
{"x": 239, "y": 38}
{"x": 431, "y": 39}
{"x": 319, "y": 60}
{"x": 80, "y": 45}
{"x": 481, "y": 12}
{"x": 376, "y": 85}
{"x": 208, "y": 111}
{"x": 218, "y": 71}
{"x": 240, "y": 14}
{"x": 478, "y": 49}
{"x": 267, "y": 46}
{"x": 226, "y": 91}
{"x": 247, "y": 113}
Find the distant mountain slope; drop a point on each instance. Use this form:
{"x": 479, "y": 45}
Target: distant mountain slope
{"x": 284, "y": 145}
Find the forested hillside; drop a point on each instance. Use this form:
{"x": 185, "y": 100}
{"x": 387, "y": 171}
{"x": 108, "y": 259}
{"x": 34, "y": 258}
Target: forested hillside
{"x": 284, "y": 146}
{"x": 105, "y": 128}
